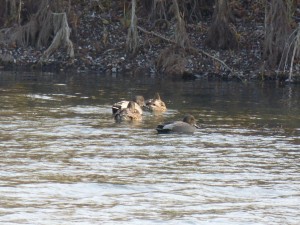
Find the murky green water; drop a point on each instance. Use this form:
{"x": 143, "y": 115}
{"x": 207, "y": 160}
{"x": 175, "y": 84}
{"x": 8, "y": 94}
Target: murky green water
{"x": 65, "y": 161}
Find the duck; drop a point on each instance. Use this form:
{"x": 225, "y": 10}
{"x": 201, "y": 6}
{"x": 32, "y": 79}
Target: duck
{"x": 130, "y": 113}
{"x": 186, "y": 126}
{"x": 138, "y": 101}
{"x": 156, "y": 104}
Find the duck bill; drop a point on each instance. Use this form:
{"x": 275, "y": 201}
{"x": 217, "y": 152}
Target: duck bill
{"x": 197, "y": 126}
{"x": 145, "y": 107}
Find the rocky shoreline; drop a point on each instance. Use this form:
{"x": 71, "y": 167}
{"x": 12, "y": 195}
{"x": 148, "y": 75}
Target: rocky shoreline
{"x": 99, "y": 46}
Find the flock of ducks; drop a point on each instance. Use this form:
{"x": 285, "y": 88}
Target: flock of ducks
{"x": 133, "y": 111}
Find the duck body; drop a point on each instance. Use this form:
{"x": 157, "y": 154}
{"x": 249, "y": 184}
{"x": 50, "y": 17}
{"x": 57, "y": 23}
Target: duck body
{"x": 186, "y": 126}
{"x": 156, "y": 104}
{"x": 119, "y": 106}
{"x": 130, "y": 113}
{"x": 138, "y": 102}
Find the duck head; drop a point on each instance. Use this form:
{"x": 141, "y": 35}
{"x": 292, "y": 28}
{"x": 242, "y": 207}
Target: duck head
{"x": 190, "y": 120}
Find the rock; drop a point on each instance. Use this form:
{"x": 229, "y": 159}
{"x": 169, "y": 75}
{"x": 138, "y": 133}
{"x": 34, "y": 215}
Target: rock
{"x": 7, "y": 58}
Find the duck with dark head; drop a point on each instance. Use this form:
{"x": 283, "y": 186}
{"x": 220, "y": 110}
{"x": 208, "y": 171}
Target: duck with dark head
{"x": 187, "y": 126}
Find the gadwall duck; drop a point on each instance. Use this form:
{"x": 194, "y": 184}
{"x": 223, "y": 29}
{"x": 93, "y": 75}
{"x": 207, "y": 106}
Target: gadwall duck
{"x": 186, "y": 126}
{"x": 156, "y": 104}
{"x": 138, "y": 102}
{"x": 128, "y": 114}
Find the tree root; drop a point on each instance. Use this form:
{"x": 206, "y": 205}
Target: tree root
{"x": 62, "y": 36}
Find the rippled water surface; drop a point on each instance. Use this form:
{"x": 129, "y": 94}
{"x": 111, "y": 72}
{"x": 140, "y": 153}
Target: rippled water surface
{"x": 65, "y": 161}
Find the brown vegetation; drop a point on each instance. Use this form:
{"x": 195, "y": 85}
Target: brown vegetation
{"x": 171, "y": 61}
{"x": 277, "y": 30}
{"x": 168, "y": 36}
{"x": 221, "y": 35}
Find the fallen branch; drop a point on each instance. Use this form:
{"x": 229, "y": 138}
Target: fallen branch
{"x": 111, "y": 50}
{"x": 156, "y": 35}
{"x": 189, "y": 48}
{"x": 214, "y": 58}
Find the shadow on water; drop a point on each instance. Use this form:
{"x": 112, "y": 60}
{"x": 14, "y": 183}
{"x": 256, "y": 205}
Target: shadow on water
{"x": 65, "y": 161}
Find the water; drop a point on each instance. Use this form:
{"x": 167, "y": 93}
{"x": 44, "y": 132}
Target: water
{"x": 65, "y": 161}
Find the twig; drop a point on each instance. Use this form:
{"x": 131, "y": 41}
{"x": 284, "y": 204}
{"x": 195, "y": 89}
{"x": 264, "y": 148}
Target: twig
{"x": 111, "y": 50}
{"x": 156, "y": 34}
{"x": 219, "y": 60}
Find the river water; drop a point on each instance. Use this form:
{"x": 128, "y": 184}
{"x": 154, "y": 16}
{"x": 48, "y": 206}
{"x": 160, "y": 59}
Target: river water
{"x": 65, "y": 161}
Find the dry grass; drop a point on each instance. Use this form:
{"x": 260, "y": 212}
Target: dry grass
{"x": 171, "y": 61}
{"x": 277, "y": 30}
{"x": 221, "y": 35}
{"x": 291, "y": 53}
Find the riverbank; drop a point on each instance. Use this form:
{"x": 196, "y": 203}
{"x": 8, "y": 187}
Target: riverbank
{"x": 99, "y": 45}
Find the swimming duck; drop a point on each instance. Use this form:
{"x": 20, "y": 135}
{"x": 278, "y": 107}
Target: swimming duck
{"x": 128, "y": 114}
{"x": 156, "y": 104}
{"x": 187, "y": 126}
{"x": 138, "y": 102}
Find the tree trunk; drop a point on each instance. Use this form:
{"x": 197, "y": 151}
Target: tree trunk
{"x": 181, "y": 37}
{"x": 277, "y": 30}
{"x": 44, "y": 28}
{"x": 38, "y": 31}
{"x": 10, "y": 11}
{"x": 132, "y": 36}
{"x": 220, "y": 34}
{"x": 62, "y": 35}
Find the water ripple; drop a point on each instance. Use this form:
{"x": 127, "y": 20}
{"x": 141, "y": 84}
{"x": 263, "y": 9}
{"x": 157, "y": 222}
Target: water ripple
{"x": 69, "y": 163}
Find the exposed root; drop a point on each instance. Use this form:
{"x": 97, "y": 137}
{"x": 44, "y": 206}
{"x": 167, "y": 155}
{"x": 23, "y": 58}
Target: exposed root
{"x": 44, "y": 27}
{"x": 62, "y": 36}
{"x": 37, "y": 31}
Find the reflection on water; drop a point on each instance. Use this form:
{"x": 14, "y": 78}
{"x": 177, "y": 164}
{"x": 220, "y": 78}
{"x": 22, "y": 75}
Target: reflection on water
{"x": 65, "y": 161}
